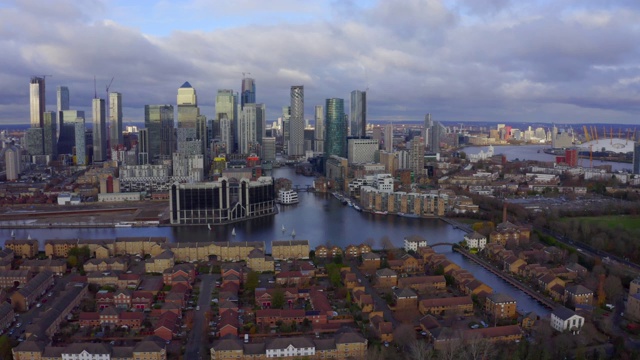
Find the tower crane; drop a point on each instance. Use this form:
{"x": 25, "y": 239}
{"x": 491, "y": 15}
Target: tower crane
{"x": 109, "y": 86}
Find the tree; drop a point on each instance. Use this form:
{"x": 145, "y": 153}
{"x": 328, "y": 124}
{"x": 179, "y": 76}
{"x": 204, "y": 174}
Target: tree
{"x": 386, "y": 243}
{"x": 5, "y": 348}
{"x": 277, "y": 299}
{"x": 404, "y": 335}
{"x": 72, "y": 261}
{"x": 420, "y": 350}
{"x": 253, "y": 280}
{"x": 476, "y": 347}
{"x": 613, "y": 288}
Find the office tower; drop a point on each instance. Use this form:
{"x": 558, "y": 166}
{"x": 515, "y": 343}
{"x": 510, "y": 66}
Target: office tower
{"x": 296, "y": 123}
{"x": 12, "y": 162}
{"x": 432, "y": 131}
{"x": 115, "y": 119}
{"x": 49, "y": 131}
{"x": 143, "y": 147}
{"x": 319, "y": 129}
{"x": 261, "y": 123}
{"x": 358, "y": 113}
{"x": 309, "y": 136}
{"x": 248, "y": 94}
{"x": 99, "y": 131}
{"x": 37, "y": 101}
{"x": 34, "y": 141}
{"x": 416, "y": 156}
{"x": 269, "y": 149}
{"x": 286, "y": 118}
{"x": 388, "y": 137}
{"x": 247, "y": 129}
{"x": 636, "y": 158}
{"x": 189, "y": 116}
{"x": 158, "y": 119}
{"x": 80, "y": 140}
{"x": 226, "y": 135}
{"x": 62, "y": 96}
{"x": 336, "y": 129}
{"x": 67, "y": 130}
{"x": 376, "y": 134}
{"x": 226, "y": 106}
{"x": 361, "y": 151}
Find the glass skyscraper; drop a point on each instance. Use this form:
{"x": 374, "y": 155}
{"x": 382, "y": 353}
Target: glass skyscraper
{"x": 62, "y": 97}
{"x": 226, "y": 107}
{"x": 115, "y": 119}
{"x": 248, "y": 94}
{"x": 99, "y": 131}
{"x": 319, "y": 129}
{"x": 296, "y": 123}
{"x": 335, "y": 128}
{"x": 158, "y": 119}
{"x": 37, "y": 101}
{"x": 358, "y": 113}
{"x": 67, "y": 138}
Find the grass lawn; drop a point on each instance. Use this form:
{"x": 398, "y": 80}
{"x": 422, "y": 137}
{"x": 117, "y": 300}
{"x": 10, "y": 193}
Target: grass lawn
{"x": 628, "y": 222}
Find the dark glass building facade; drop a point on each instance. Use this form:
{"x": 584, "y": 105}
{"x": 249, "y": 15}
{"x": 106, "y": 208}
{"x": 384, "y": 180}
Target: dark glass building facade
{"x": 335, "y": 128}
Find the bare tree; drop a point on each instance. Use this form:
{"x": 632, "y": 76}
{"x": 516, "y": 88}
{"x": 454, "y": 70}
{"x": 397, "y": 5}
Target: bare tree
{"x": 386, "y": 243}
{"x": 404, "y": 335}
{"x": 420, "y": 350}
{"x": 451, "y": 350}
{"x": 476, "y": 347}
{"x": 613, "y": 288}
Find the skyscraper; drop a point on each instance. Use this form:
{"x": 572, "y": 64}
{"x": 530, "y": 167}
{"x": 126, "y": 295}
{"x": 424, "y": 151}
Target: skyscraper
{"x": 158, "y": 119}
{"x": 416, "y": 156}
{"x": 261, "y": 123}
{"x": 62, "y": 96}
{"x": 296, "y": 124}
{"x": 226, "y": 136}
{"x": 432, "y": 132}
{"x": 79, "y": 140}
{"x": 336, "y": 128}
{"x": 358, "y": 113}
{"x": 115, "y": 119}
{"x": 319, "y": 129}
{"x": 248, "y": 94}
{"x": 37, "y": 101}
{"x": 286, "y": 118}
{"x": 247, "y": 129}
{"x": 226, "y": 106}
{"x": 189, "y": 117}
{"x": 67, "y": 138}
{"x": 99, "y": 131}
{"x": 50, "y": 141}
{"x": 388, "y": 137}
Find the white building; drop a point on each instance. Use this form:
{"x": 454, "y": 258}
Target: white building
{"x": 475, "y": 240}
{"x": 118, "y": 197}
{"x": 414, "y": 242}
{"x": 383, "y": 182}
{"x": 563, "y": 319}
{"x": 291, "y": 347}
{"x": 362, "y": 151}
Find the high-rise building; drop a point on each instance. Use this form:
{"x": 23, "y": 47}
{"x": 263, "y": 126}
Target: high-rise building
{"x": 388, "y": 137}
{"x": 432, "y": 131}
{"x": 416, "y": 156}
{"x": 261, "y": 123}
{"x": 226, "y": 106}
{"x": 247, "y": 129}
{"x": 158, "y": 119}
{"x": 12, "y": 162}
{"x": 37, "y": 101}
{"x": 269, "y": 149}
{"x": 34, "y": 138}
{"x": 296, "y": 124}
{"x": 319, "y": 129}
{"x": 99, "y": 131}
{"x": 358, "y": 113}
{"x": 286, "y": 119}
{"x": 80, "y": 140}
{"x": 143, "y": 147}
{"x": 361, "y": 151}
{"x": 115, "y": 120}
{"x": 50, "y": 141}
{"x": 62, "y": 97}
{"x": 336, "y": 128}
{"x": 67, "y": 137}
{"x": 226, "y": 135}
{"x": 189, "y": 116}
{"x": 636, "y": 158}
{"x": 248, "y": 94}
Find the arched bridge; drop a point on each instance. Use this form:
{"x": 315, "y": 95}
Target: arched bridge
{"x": 442, "y": 244}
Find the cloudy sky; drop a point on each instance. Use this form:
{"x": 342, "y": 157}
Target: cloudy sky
{"x": 567, "y": 61}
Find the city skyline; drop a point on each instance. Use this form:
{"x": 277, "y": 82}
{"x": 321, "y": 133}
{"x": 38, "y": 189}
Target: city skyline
{"x": 459, "y": 60}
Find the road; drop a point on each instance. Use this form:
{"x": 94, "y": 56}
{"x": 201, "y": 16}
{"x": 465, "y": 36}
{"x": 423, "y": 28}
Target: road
{"x": 379, "y": 302}
{"x": 195, "y": 348}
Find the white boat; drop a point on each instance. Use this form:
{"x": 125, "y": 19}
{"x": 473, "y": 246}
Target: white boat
{"x": 293, "y": 233}
{"x": 287, "y": 197}
{"x": 283, "y": 229}
{"x": 209, "y": 226}
{"x": 381, "y": 212}
{"x": 349, "y": 202}
{"x": 355, "y": 206}
{"x": 409, "y": 215}
{"x": 123, "y": 225}
{"x": 29, "y": 237}
{"x": 233, "y": 232}
{"x": 13, "y": 234}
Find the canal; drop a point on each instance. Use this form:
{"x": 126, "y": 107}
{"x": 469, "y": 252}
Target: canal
{"x": 319, "y": 218}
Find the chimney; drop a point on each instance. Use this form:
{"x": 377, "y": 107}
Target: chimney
{"x": 504, "y": 212}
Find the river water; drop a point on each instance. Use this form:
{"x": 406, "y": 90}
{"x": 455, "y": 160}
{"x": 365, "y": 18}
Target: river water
{"x": 530, "y": 152}
{"x": 319, "y": 218}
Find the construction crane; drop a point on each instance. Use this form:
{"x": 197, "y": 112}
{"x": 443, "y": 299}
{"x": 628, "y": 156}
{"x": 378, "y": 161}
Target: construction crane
{"x": 587, "y": 138}
{"x": 109, "y": 86}
{"x": 591, "y": 156}
{"x": 243, "y": 74}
